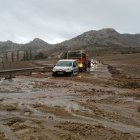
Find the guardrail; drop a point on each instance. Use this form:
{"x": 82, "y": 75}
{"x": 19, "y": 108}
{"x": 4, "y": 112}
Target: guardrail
{"x": 10, "y": 72}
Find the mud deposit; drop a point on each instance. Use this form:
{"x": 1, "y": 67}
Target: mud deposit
{"x": 90, "y": 106}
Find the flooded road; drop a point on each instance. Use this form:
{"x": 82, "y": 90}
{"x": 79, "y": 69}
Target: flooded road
{"x": 85, "y": 107}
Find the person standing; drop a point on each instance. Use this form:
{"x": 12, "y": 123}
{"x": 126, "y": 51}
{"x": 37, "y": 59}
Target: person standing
{"x": 88, "y": 65}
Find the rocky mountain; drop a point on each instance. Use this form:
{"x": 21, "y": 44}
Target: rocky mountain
{"x": 103, "y": 38}
{"x": 36, "y": 44}
{"x": 107, "y": 37}
{"x": 8, "y": 46}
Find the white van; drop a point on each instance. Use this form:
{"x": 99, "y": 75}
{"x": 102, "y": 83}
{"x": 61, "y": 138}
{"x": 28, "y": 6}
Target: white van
{"x": 65, "y": 67}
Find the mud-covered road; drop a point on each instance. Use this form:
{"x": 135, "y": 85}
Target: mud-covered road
{"x": 90, "y": 106}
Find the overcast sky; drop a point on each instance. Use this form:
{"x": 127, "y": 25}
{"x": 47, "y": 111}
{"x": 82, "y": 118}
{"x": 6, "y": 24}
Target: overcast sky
{"x": 58, "y": 20}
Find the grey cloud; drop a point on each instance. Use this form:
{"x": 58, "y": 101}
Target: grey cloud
{"x": 57, "y": 20}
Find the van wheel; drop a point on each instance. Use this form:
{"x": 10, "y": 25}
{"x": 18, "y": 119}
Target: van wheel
{"x": 71, "y": 73}
{"x": 54, "y": 74}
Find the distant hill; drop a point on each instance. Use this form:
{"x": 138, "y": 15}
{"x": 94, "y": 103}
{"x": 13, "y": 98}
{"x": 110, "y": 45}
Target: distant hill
{"x": 107, "y": 37}
{"x": 103, "y": 38}
{"x": 36, "y": 44}
{"x": 9, "y": 46}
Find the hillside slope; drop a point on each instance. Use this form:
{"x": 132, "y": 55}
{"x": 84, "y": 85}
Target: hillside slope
{"x": 107, "y": 37}
{"x": 103, "y": 38}
{"x": 36, "y": 44}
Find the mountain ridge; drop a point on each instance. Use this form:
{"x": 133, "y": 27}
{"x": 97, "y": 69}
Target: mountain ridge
{"x": 105, "y": 37}
{"x": 36, "y": 44}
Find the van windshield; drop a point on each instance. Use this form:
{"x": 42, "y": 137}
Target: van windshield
{"x": 64, "y": 63}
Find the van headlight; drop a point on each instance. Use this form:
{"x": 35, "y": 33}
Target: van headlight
{"x": 54, "y": 69}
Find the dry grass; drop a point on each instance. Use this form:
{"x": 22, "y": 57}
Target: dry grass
{"x": 127, "y": 64}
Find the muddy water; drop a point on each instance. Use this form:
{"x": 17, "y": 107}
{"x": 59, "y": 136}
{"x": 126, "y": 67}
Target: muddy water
{"x": 68, "y": 108}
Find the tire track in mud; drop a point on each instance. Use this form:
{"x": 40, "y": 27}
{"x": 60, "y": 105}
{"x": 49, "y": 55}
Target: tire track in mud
{"x": 82, "y": 119}
{"x": 78, "y": 118}
{"x": 36, "y": 115}
{"x": 8, "y": 132}
{"x": 118, "y": 126}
